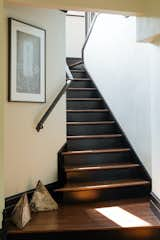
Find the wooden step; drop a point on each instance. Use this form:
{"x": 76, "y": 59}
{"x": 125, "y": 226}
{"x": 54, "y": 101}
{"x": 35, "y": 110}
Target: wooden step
{"x": 82, "y": 92}
{"x": 81, "y": 79}
{"x": 81, "y": 89}
{"x": 88, "y": 111}
{"x": 87, "y": 115}
{"x": 103, "y": 185}
{"x": 86, "y": 142}
{"x": 101, "y": 175}
{"x": 100, "y": 159}
{"x": 91, "y": 128}
{"x": 83, "y": 221}
{"x": 85, "y": 103}
{"x": 91, "y": 123}
{"x": 113, "y": 150}
{"x": 84, "y": 99}
{"x": 80, "y": 82}
{"x": 102, "y": 167}
{"x": 75, "y": 64}
{"x": 78, "y": 71}
{"x": 94, "y": 136}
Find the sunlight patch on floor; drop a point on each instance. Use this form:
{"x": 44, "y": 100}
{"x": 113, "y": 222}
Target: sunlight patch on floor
{"x": 122, "y": 217}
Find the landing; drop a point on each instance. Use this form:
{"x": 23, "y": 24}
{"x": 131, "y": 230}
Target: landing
{"x": 102, "y": 215}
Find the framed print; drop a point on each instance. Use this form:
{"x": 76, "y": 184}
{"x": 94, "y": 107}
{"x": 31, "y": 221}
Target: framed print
{"x": 27, "y": 61}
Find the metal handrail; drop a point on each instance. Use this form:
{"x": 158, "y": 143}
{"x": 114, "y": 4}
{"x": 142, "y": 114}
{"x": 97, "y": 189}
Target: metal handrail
{"x": 40, "y": 125}
{"x": 88, "y": 34}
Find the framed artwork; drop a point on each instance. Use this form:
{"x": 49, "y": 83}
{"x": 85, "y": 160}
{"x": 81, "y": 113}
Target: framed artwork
{"x": 27, "y": 62}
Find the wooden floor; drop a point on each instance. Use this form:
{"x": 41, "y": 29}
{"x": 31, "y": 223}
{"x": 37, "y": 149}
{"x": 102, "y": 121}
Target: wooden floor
{"x": 86, "y": 217}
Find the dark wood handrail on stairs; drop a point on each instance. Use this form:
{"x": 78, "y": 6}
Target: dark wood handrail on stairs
{"x": 40, "y": 125}
{"x": 66, "y": 86}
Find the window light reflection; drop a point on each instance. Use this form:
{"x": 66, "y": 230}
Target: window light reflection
{"x": 122, "y": 217}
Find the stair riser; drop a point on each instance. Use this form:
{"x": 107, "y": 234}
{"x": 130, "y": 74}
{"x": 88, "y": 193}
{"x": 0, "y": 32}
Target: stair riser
{"x": 78, "y": 67}
{"x": 88, "y": 117}
{"x": 102, "y": 175}
{"x": 73, "y": 130}
{"x": 81, "y": 84}
{"x": 93, "y": 159}
{"x": 82, "y": 94}
{"x": 106, "y": 194}
{"x": 112, "y": 234}
{"x": 73, "y": 60}
{"x": 79, "y": 105}
{"x": 98, "y": 143}
{"x": 79, "y": 74}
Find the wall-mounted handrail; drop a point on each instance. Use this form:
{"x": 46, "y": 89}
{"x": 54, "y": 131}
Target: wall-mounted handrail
{"x": 88, "y": 34}
{"x": 40, "y": 125}
{"x": 68, "y": 82}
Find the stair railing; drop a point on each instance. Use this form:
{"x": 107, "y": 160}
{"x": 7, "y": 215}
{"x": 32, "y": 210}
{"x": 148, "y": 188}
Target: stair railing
{"x": 43, "y": 119}
{"x": 40, "y": 124}
{"x": 89, "y": 32}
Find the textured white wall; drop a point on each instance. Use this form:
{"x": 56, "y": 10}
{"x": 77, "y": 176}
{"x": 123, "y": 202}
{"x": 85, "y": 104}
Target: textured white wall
{"x": 75, "y": 35}
{"x": 121, "y": 68}
{"x": 29, "y": 155}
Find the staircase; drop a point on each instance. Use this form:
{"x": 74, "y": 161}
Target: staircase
{"x": 98, "y": 163}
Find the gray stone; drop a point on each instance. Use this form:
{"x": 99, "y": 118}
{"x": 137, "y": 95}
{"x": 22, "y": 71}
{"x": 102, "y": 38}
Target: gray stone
{"x": 42, "y": 200}
{"x": 21, "y": 214}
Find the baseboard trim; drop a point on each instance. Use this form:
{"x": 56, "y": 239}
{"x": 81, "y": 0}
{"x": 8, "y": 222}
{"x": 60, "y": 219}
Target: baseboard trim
{"x": 155, "y": 204}
{"x": 1, "y": 234}
{"x": 12, "y": 200}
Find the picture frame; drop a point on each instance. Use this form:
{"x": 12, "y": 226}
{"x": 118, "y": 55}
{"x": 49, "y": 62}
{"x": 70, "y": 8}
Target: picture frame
{"x": 27, "y": 62}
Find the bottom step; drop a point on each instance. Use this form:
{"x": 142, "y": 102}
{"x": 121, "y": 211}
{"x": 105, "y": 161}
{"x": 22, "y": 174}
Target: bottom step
{"x": 107, "y": 190}
{"x": 85, "y": 221}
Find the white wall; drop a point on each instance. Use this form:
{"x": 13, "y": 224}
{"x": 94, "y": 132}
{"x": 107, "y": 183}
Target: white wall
{"x": 155, "y": 117}
{"x": 29, "y": 155}
{"x": 2, "y": 76}
{"x": 127, "y": 73}
{"x": 148, "y": 29}
{"x": 120, "y": 67}
{"x": 75, "y": 35}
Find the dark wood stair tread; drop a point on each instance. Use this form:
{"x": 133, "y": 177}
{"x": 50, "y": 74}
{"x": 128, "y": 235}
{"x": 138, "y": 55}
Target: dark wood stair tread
{"x": 75, "y": 64}
{"x": 81, "y": 89}
{"x": 88, "y": 110}
{"x": 94, "y": 136}
{"x": 78, "y": 71}
{"x": 112, "y": 150}
{"x": 102, "y": 167}
{"x": 91, "y": 123}
{"x": 84, "y": 99}
{"x": 102, "y": 185}
{"x": 81, "y": 79}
